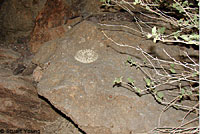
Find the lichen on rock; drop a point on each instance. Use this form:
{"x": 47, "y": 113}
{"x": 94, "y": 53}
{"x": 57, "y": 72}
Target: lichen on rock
{"x": 86, "y": 56}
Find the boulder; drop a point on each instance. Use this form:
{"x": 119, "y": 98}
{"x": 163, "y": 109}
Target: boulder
{"x": 78, "y": 80}
{"x": 21, "y": 109}
{"x": 17, "y": 19}
{"x": 38, "y": 21}
{"x": 50, "y": 21}
{"x": 8, "y": 57}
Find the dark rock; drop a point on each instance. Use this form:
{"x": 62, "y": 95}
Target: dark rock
{"x": 29, "y": 69}
{"x": 17, "y": 19}
{"x": 20, "y": 105}
{"x": 39, "y": 21}
{"x": 8, "y": 57}
{"x": 49, "y": 22}
{"x": 20, "y": 68}
{"x": 79, "y": 82}
{"x": 21, "y": 110}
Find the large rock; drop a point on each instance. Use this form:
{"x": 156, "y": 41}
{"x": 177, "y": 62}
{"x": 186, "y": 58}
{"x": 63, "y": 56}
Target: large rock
{"x": 78, "y": 80}
{"x": 21, "y": 110}
{"x": 39, "y": 21}
{"x": 49, "y": 22}
{"x": 8, "y": 57}
{"x": 20, "y": 105}
{"x": 17, "y": 19}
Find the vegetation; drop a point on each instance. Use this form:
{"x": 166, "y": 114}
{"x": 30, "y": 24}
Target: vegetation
{"x": 181, "y": 15}
{"x": 183, "y": 18}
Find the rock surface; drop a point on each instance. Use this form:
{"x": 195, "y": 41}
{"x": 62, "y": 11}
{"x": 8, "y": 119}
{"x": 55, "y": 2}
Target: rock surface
{"x": 84, "y": 91}
{"x": 17, "y": 19}
{"x": 51, "y": 19}
{"x": 21, "y": 110}
{"x": 39, "y": 21}
{"x": 49, "y": 22}
{"x": 8, "y": 57}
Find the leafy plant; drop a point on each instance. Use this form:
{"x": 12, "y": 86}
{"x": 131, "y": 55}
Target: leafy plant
{"x": 186, "y": 25}
{"x": 172, "y": 68}
{"x": 118, "y": 81}
{"x": 183, "y": 17}
{"x": 153, "y": 84}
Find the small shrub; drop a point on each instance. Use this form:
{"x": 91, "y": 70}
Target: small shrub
{"x": 183, "y": 16}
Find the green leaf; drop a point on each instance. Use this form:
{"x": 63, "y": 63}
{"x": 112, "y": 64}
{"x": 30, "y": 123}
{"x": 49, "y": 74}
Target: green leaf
{"x": 191, "y": 4}
{"x": 161, "y": 30}
{"x": 148, "y": 82}
{"x": 149, "y": 35}
{"x": 185, "y": 3}
{"x": 136, "y": 2}
{"x": 195, "y": 17}
{"x": 147, "y": 8}
{"x": 118, "y": 80}
{"x": 186, "y": 22}
{"x": 158, "y": 99}
{"x": 138, "y": 90}
{"x": 130, "y": 80}
{"x": 182, "y": 91}
{"x": 145, "y": 61}
{"x": 108, "y": 1}
{"x": 185, "y": 37}
{"x": 191, "y": 42}
{"x": 180, "y": 96}
{"x": 176, "y": 34}
{"x": 172, "y": 70}
{"x": 160, "y": 95}
{"x": 195, "y": 74}
{"x": 174, "y": 5}
{"x": 180, "y": 9}
{"x": 155, "y": 38}
{"x": 181, "y": 20}
{"x": 129, "y": 59}
{"x": 194, "y": 36}
{"x": 154, "y": 31}
{"x": 152, "y": 83}
{"x": 172, "y": 65}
